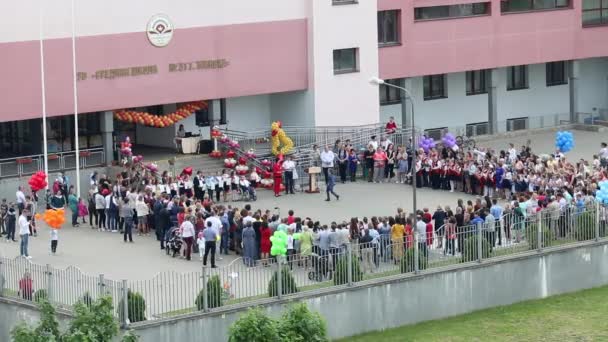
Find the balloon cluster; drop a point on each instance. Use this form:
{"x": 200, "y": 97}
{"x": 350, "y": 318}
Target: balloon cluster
{"x": 53, "y": 217}
{"x": 266, "y": 162}
{"x": 279, "y": 243}
{"x": 160, "y": 121}
{"x": 125, "y": 147}
{"x": 230, "y": 163}
{"x": 564, "y": 141}
{"x": 250, "y": 154}
{"x": 279, "y": 141}
{"x": 152, "y": 167}
{"x": 138, "y": 159}
{"x": 448, "y": 140}
{"x": 215, "y": 132}
{"x": 426, "y": 144}
{"x": 242, "y": 168}
{"x": 38, "y": 181}
{"x": 230, "y": 154}
{"x": 602, "y": 194}
{"x": 187, "y": 171}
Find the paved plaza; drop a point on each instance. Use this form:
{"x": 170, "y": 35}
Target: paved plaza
{"x": 103, "y": 252}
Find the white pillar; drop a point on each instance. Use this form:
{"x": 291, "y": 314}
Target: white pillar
{"x": 492, "y": 82}
{"x": 405, "y": 107}
{"x": 573, "y": 76}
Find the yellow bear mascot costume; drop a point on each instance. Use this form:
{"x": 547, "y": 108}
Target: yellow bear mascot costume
{"x": 281, "y": 144}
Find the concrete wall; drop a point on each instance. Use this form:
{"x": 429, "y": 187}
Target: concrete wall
{"x": 593, "y": 85}
{"x": 13, "y": 312}
{"x": 248, "y": 113}
{"x": 433, "y": 295}
{"x": 293, "y": 108}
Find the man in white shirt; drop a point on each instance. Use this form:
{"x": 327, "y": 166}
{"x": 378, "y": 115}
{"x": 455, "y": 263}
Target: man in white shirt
{"x": 373, "y": 142}
{"x": 327, "y": 161}
{"x": 604, "y": 154}
{"x": 24, "y": 233}
{"x": 288, "y": 167}
{"x": 216, "y": 223}
{"x": 20, "y": 199}
{"x": 384, "y": 142}
{"x": 512, "y": 154}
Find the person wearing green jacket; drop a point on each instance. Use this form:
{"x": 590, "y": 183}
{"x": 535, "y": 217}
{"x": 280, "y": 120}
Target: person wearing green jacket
{"x": 73, "y": 204}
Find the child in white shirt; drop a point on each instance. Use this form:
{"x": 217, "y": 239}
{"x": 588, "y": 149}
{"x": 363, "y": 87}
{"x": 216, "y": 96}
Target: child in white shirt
{"x": 54, "y": 240}
{"x": 200, "y": 241}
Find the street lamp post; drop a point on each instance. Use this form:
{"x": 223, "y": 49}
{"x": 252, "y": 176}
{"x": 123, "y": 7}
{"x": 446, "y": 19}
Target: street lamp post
{"x": 377, "y": 81}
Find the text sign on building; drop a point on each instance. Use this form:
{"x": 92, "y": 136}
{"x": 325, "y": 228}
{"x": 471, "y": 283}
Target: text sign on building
{"x": 160, "y": 30}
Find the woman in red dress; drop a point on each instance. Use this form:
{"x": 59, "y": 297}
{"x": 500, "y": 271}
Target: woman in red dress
{"x": 277, "y": 174}
{"x": 265, "y": 243}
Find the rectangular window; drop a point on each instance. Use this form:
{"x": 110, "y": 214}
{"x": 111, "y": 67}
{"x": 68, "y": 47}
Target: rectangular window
{"x": 517, "y": 77}
{"x": 595, "y": 12}
{"x": 517, "y": 124}
{"x": 390, "y": 95}
{"x": 346, "y": 60}
{"x": 223, "y": 117}
{"x": 507, "y": 6}
{"x": 479, "y": 128}
{"x": 343, "y": 2}
{"x": 556, "y": 73}
{"x": 452, "y": 11}
{"x": 436, "y": 133}
{"x": 435, "y": 87}
{"x": 476, "y": 82}
{"x": 388, "y": 27}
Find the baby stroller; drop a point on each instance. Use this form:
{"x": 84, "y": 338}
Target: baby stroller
{"x": 174, "y": 242}
{"x": 320, "y": 271}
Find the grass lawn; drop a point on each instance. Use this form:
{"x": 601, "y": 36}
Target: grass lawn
{"x": 580, "y": 316}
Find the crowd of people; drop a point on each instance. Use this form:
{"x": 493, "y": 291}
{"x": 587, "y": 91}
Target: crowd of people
{"x": 199, "y": 210}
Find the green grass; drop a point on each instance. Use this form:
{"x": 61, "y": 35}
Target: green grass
{"x": 580, "y": 316}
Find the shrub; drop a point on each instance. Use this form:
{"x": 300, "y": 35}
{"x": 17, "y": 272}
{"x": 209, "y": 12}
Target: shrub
{"x": 136, "y": 307}
{"x": 41, "y": 295}
{"x": 87, "y": 300}
{"x": 532, "y": 236}
{"x": 254, "y": 326}
{"x": 341, "y": 270}
{"x": 300, "y": 324}
{"x": 470, "y": 250}
{"x": 584, "y": 227}
{"x": 214, "y": 294}
{"x": 288, "y": 283}
{"x": 407, "y": 262}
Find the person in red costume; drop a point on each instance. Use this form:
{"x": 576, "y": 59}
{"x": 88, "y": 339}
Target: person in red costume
{"x": 277, "y": 174}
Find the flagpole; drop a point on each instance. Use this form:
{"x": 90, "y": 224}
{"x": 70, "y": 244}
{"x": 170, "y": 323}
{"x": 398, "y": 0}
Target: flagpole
{"x": 42, "y": 80}
{"x": 76, "y": 142}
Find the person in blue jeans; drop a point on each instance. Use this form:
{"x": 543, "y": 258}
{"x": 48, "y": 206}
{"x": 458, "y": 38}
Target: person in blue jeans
{"x": 225, "y": 234}
{"x": 24, "y": 233}
{"x": 331, "y": 182}
{"x": 73, "y": 204}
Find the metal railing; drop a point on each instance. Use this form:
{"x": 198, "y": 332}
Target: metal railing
{"x": 27, "y": 165}
{"x": 307, "y": 268}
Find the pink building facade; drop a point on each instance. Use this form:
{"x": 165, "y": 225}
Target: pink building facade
{"x": 471, "y": 65}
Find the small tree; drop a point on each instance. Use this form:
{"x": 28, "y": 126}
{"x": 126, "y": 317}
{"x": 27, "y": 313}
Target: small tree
{"x": 40, "y": 296}
{"x": 341, "y": 270}
{"x": 288, "y": 283}
{"x": 532, "y": 236}
{"x": 91, "y": 323}
{"x": 214, "y": 294}
{"x": 408, "y": 262}
{"x": 300, "y": 324}
{"x": 470, "y": 251}
{"x": 254, "y": 326}
{"x": 136, "y": 307}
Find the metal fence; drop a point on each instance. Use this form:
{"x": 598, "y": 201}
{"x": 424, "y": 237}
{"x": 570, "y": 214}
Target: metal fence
{"x": 27, "y": 165}
{"x": 245, "y": 281}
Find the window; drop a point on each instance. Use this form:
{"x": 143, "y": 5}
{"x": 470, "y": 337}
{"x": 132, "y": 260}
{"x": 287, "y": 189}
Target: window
{"x": 517, "y": 77}
{"x": 479, "y": 128}
{"x": 517, "y": 124}
{"x": 344, "y": 2}
{"x": 89, "y": 130}
{"x": 556, "y": 73}
{"x": 388, "y": 27}
{"x": 532, "y": 5}
{"x": 595, "y": 12}
{"x": 436, "y": 133}
{"x": 452, "y": 11}
{"x": 223, "y": 118}
{"x": 476, "y": 82}
{"x": 435, "y": 87}
{"x": 345, "y": 61}
{"x": 390, "y": 95}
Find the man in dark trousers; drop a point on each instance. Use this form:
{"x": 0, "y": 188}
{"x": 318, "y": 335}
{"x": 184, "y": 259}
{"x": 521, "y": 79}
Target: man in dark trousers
{"x": 210, "y": 235}
{"x": 331, "y": 182}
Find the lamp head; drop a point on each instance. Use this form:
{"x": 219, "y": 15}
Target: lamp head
{"x": 376, "y": 81}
